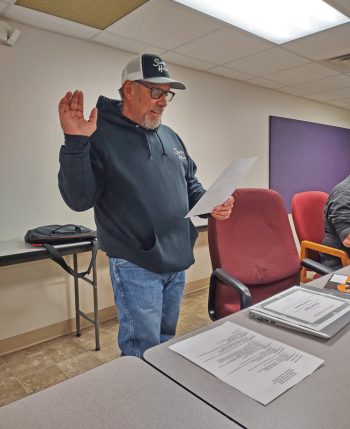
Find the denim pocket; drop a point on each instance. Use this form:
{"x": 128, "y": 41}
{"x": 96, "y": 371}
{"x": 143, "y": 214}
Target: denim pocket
{"x": 118, "y": 261}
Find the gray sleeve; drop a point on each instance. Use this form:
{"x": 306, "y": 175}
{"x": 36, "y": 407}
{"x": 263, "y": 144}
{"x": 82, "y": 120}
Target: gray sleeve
{"x": 339, "y": 214}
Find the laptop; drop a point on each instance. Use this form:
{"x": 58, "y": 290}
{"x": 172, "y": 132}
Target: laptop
{"x": 305, "y": 309}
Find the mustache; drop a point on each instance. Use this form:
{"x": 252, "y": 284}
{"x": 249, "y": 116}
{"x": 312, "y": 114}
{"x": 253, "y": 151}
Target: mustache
{"x": 159, "y": 110}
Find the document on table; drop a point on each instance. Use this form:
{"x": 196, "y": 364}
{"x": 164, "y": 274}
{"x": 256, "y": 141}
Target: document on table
{"x": 300, "y": 306}
{"x": 257, "y": 366}
{"x": 223, "y": 186}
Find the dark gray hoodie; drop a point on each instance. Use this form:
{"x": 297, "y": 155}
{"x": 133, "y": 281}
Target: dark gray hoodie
{"x": 141, "y": 184}
{"x": 337, "y": 222}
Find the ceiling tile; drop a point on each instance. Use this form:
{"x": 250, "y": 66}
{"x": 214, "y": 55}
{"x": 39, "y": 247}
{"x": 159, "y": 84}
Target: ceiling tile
{"x": 260, "y": 81}
{"x": 336, "y": 94}
{"x": 341, "y": 103}
{"x": 50, "y": 23}
{"x": 183, "y": 60}
{"x": 327, "y": 84}
{"x": 317, "y": 97}
{"x": 303, "y": 73}
{"x": 164, "y": 23}
{"x": 224, "y": 45}
{"x": 324, "y": 44}
{"x": 125, "y": 44}
{"x": 97, "y": 14}
{"x": 293, "y": 91}
{"x": 2, "y": 5}
{"x": 269, "y": 61}
{"x": 342, "y": 5}
{"x": 232, "y": 74}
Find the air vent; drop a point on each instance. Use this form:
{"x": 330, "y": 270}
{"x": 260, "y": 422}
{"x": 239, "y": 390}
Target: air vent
{"x": 341, "y": 63}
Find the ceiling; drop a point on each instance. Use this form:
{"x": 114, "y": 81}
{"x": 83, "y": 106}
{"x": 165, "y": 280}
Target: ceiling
{"x": 188, "y": 38}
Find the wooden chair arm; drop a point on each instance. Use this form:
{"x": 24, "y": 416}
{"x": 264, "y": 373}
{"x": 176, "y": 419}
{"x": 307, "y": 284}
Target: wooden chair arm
{"x": 306, "y": 245}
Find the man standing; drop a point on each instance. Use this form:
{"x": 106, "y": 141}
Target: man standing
{"x": 139, "y": 178}
{"x": 337, "y": 223}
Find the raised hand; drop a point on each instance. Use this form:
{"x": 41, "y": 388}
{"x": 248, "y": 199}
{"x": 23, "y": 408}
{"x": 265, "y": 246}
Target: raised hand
{"x": 71, "y": 111}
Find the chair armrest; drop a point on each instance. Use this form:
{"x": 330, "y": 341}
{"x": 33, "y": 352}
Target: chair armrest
{"x": 316, "y": 266}
{"x": 244, "y": 293}
{"x": 306, "y": 245}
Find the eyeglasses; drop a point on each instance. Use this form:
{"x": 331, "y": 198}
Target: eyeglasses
{"x": 158, "y": 92}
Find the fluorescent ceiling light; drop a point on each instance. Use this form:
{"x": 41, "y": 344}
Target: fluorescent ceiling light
{"x": 277, "y": 20}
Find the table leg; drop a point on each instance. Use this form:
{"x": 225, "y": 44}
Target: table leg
{"x": 76, "y": 292}
{"x": 94, "y": 285}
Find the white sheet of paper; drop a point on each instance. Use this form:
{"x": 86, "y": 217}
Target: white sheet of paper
{"x": 223, "y": 186}
{"x": 257, "y": 366}
{"x": 312, "y": 309}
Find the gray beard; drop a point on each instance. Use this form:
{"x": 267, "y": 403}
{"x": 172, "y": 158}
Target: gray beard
{"x": 151, "y": 124}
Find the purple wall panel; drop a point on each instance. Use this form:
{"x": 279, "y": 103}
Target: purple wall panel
{"x": 305, "y": 156}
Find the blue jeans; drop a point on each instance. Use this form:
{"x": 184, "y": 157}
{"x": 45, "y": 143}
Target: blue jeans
{"x": 148, "y": 305}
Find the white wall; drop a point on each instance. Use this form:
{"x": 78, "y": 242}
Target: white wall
{"x": 218, "y": 119}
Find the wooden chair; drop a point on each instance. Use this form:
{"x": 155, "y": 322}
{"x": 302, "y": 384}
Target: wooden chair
{"x": 308, "y": 218}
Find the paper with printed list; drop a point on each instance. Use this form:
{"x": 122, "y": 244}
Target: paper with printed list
{"x": 223, "y": 186}
{"x": 257, "y": 366}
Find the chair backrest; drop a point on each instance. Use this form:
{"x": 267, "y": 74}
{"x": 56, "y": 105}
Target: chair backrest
{"x": 308, "y": 215}
{"x": 256, "y": 246}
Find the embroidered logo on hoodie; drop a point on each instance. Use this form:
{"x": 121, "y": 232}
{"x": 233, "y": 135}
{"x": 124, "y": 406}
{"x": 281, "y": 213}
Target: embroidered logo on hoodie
{"x": 179, "y": 153}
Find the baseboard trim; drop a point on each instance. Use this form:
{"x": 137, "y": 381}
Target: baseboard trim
{"x": 46, "y": 333}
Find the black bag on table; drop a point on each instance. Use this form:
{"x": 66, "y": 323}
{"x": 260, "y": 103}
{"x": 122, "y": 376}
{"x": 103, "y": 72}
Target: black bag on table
{"x": 57, "y": 234}
{"x": 49, "y": 235}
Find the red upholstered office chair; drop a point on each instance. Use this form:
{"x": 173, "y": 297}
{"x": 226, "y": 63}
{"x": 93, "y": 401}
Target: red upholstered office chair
{"x": 308, "y": 218}
{"x": 253, "y": 253}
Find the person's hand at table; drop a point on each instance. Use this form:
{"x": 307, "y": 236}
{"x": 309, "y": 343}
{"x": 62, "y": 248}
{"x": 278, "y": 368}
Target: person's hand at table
{"x": 223, "y": 211}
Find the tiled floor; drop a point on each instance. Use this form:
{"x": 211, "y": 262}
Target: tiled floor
{"x": 43, "y": 365}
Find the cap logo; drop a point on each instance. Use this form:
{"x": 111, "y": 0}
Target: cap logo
{"x": 160, "y": 65}
{"x": 150, "y": 68}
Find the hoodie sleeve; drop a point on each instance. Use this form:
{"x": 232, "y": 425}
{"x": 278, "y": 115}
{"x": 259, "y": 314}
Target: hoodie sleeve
{"x": 195, "y": 189}
{"x": 80, "y": 175}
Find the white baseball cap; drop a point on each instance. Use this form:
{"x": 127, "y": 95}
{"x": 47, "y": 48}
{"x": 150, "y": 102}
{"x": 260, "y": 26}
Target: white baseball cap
{"x": 149, "y": 68}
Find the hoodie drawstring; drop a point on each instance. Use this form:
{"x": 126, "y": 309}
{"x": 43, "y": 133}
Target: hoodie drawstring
{"x": 163, "y": 148}
{"x": 149, "y": 146}
{"x": 148, "y": 149}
